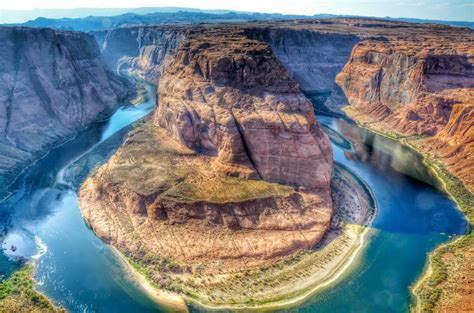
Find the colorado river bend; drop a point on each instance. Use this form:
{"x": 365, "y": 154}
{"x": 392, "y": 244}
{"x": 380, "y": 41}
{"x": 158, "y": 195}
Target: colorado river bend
{"x": 75, "y": 269}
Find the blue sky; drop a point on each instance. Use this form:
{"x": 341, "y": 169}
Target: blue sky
{"x": 428, "y": 9}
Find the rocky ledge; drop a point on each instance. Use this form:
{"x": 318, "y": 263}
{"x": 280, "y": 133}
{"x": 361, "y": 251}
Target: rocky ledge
{"x": 232, "y": 171}
{"x": 226, "y": 100}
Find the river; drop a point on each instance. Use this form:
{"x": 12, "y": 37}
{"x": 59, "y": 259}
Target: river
{"x": 82, "y": 274}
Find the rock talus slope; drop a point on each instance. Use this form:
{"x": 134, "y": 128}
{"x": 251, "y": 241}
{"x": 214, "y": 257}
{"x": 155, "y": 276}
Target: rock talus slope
{"x": 51, "y": 85}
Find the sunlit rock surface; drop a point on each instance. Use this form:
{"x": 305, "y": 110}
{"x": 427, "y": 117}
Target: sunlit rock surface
{"x": 421, "y": 86}
{"x": 233, "y": 165}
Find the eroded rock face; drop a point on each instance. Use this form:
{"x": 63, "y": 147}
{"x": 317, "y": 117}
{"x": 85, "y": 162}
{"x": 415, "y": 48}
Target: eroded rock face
{"x": 51, "y": 85}
{"x": 313, "y": 58}
{"x": 232, "y": 120}
{"x": 420, "y": 88}
{"x": 232, "y": 171}
{"x": 157, "y": 197}
{"x": 142, "y": 51}
{"x": 228, "y": 96}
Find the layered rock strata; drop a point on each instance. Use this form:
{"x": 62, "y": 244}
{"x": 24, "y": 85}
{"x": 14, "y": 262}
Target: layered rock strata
{"x": 51, "y": 85}
{"x": 313, "y": 58}
{"x": 410, "y": 81}
{"x": 156, "y": 197}
{"x": 423, "y": 91}
{"x": 229, "y": 97}
{"x": 232, "y": 169}
{"x": 141, "y": 51}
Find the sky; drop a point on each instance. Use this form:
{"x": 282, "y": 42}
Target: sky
{"x": 455, "y": 10}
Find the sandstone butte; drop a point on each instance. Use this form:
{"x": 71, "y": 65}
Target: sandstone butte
{"x": 232, "y": 171}
{"x": 405, "y": 80}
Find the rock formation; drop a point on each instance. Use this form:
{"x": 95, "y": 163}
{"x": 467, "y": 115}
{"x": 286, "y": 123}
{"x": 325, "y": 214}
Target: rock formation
{"x": 313, "y": 58}
{"x": 51, "y": 85}
{"x": 228, "y": 96}
{"x": 141, "y": 51}
{"x": 421, "y": 87}
{"x": 232, "y": 169}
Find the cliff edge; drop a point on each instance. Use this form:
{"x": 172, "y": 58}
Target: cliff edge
{"x": 420, "y": 88}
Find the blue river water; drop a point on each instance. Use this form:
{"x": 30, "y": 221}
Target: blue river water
{"x": 79, "y": 272}
{"x": 413, "y": 218}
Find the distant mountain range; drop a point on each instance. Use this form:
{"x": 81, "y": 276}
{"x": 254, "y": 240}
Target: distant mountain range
{"x": 147, "y": 16}
{"x": 104, "y": 22}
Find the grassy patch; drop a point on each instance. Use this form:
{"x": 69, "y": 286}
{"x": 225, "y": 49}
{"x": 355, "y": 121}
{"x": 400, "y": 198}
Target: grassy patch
{"x": 439, "y": 284}
{"x": 150, "y": 162}
{"x": 224, "y": 190}
{"x": 444, "y": 273}
{"x": 17, "y": 294}
{"x": 454, "y": 186}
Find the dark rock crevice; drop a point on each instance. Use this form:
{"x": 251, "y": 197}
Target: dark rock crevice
{"x": 245, "y": 145}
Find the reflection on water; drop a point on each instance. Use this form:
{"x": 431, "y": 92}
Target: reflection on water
{"x": 379, "y": 151}
{"x": 413, "y": 219}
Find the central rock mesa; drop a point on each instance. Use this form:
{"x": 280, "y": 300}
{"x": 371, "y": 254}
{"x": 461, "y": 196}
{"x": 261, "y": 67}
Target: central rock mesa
{"x": 232, "y": 171}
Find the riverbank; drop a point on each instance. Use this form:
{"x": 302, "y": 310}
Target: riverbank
{"x": 172, "y": 302}
{"x": 9, "y": 178}
{"x": 38, "y": 176}
{"x": 443, "y": 283}
{"x": 18, "y": 294}
{"x": 293, "y": 279}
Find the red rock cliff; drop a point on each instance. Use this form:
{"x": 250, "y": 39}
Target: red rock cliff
{"x": 418, "y": 88}
{"x": 228, "y": 96}
{"x": 229, "y": 123}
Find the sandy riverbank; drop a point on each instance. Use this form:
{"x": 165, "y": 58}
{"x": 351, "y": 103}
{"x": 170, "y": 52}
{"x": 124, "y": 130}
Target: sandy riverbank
{"x": 294, "y": 279}
{"x": 171, "y": 301}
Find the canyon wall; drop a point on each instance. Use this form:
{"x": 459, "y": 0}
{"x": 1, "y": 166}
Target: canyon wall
{"x": 313, "y": 58}
{"x": 233, "y": 171}
{"x": 419, "y": 89}
{"x": 51, "y": 85}
{"x": 141, "y": 51}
